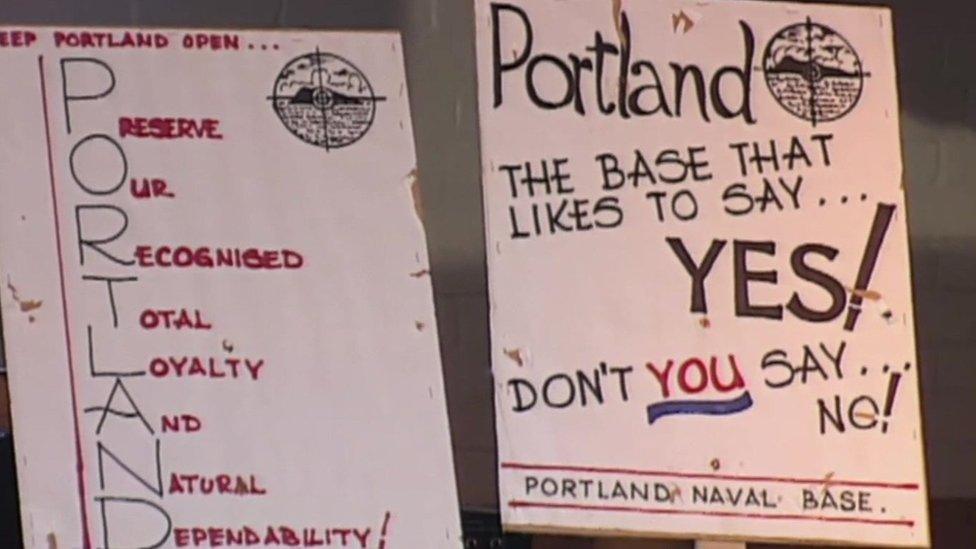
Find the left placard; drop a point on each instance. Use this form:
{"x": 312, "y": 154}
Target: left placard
{"x": 217, "y": 307}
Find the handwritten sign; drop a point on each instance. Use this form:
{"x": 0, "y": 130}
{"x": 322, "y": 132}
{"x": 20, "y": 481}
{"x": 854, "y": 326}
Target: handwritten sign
{"x": 699, "y": 273}
{"x": 218, "y": 314}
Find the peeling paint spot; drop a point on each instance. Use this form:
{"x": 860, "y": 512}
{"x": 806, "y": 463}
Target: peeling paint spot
{"x": 705, "y": 322}
{"x": 420, "y": 326}
{"x": 683, "y": 21}
{"x": 715, "y": 464}
{"x": 421, "y": 273}
{"x": 675, "y": 493}
{"x": 23, "y": 218}
{"x": 413, "y": 179}
{"x": 25, "y": 305}
{"x": 515, "y": 355}
{"x": 870, "y": 295}
{"x": 828, "y": 478}
{"x": 888, "y": 315}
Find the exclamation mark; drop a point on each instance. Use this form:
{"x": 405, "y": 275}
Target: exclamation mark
{"x": 890, "y": 399}
{"x": 383, "y": 530}
{"x": 882, "y": 218}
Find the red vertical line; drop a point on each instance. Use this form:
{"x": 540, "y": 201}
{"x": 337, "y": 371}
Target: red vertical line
{"x": 86, "y": 539}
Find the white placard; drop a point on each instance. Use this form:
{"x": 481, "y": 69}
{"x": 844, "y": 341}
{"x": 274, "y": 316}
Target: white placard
{"x": 218, "y": 314}
{"x": 701, "y": 305}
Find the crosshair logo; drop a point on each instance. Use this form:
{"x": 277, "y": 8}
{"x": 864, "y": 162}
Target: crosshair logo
{"x": 813, "y": 72}
{"x": 324, "y": 100}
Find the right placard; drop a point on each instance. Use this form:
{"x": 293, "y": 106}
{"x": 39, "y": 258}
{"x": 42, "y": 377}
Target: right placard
{"x": 701, "y": 300}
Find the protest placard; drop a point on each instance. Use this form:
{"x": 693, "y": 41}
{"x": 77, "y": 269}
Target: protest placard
{"x": 217, "y": 305}
{"x": 701, "y": 303}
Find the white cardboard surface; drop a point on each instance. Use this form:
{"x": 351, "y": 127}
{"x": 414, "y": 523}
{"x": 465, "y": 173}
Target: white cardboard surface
{"x": 336, "y": 435}
{"x": 625, "y": 405}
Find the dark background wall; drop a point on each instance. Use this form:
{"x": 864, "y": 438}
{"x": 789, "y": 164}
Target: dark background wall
{"x": 936, "y": 41}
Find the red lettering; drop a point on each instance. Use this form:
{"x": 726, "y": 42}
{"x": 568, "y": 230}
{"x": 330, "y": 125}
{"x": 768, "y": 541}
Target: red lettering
{"x": 149, "y": 319}
{"x": 171, "y": 424}
{"x": 182, "y": 257}
{"x": 122, "y": 39}
{"x": 160, "y": 188}
{"x": 144, "y": 255}
{"x": 293, "y": 260}
{"x": 169, "y": 128}
{"x": 662, "y": 377}
{"x": 158, "y": 367}
{"x": 164, "y": 256}
{"x": 271, "y": 260}
{"x": 148, "y": 188}
{"x": 207, "y": 257}
{"x": 213, "y": 42}
{"x": 181, "y": 423}
{"x": 223, "y": 484}
{"x": 702, "y": 376}
{"x": 216, "y": 536}
{"x": 737, "y": 381}
{"x": 17, "y": 39}
{"x": 271, "y": 537}
{"x": 289, "y": 537}
{"x": 175, "y": 486}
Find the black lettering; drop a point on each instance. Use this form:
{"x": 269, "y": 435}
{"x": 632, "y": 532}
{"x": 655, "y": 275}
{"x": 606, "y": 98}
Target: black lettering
{"x": 743, "y": 276}
{"x": 698, "y": 272}
{"x": 520, "y": 59}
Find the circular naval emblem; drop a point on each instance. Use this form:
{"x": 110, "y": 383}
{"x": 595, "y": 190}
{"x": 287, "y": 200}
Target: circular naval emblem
{"x": 324, "y": 100}
{"x": 813, "y": 72}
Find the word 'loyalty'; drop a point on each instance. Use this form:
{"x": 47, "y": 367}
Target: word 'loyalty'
{"x": 693, "y": 377}
{"x": 553, "y": 83}
{"x": 211, "y": 367}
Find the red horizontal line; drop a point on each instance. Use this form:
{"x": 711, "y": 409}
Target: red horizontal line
{"x": 652, "y": 511}
{"x": 674, "y": 474}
